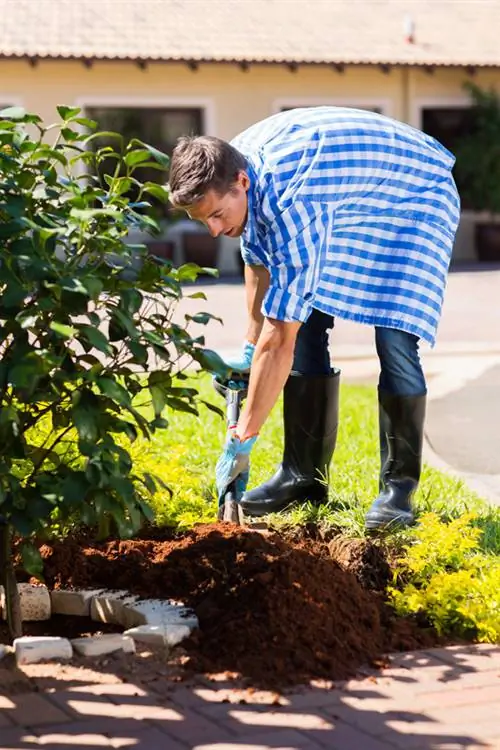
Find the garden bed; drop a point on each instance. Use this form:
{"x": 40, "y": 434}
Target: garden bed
{"x": 275, "y": 609}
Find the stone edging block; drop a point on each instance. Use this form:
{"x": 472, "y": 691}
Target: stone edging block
{"x": 35, "y": 602}
{"x": 32, "y": 649}
{"x": 154, "y": 621}
{"x": 109, "y": 643}
{"x": 69, "y": 602}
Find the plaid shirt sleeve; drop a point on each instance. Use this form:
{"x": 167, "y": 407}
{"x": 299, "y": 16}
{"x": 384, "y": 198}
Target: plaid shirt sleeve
{"x": 296, "y": 244}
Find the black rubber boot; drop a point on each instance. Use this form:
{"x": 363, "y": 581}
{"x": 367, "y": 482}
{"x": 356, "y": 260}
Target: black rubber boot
{"x": 401, "y": 420}
{"x": 310, "y": 416}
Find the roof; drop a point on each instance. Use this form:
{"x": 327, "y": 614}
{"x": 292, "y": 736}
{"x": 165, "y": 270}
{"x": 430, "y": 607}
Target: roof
{"x": 446, "y": 32}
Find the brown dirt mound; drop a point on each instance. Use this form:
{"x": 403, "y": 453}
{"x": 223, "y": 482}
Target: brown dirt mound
{"x": 272, "y": 610}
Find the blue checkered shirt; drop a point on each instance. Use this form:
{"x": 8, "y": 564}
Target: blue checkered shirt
{"x": 353, "y": 214}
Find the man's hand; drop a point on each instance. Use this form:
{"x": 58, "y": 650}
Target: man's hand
{"x": 243, "y": 362}
{"x": 233, "y": 466}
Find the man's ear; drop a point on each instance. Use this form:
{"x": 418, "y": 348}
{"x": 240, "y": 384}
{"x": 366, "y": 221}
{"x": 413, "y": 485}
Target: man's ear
{"x": 244, "y": 180}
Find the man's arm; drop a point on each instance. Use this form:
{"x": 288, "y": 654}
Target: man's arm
{"x": 256, "y": 285}
{"x": 271, "y": 367}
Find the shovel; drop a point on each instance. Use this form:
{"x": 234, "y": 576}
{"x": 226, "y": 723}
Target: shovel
{"x": 234, "y": 389}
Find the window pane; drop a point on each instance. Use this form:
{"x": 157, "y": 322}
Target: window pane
{"x": 448, "y": 125}
{"x": 158, "y": 126}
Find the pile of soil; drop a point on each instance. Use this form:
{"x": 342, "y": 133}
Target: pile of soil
{"x": 276, "y": 611}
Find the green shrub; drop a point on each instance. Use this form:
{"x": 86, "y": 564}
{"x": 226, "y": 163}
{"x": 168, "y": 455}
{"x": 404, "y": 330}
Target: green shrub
{"x": 83, "y": 314}
{"x": 445, "y": 576}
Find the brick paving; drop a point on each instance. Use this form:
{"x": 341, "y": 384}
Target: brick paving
{"x": 443, "y": 699}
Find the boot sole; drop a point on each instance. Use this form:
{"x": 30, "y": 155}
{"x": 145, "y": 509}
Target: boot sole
{"x": 389, "y": 523}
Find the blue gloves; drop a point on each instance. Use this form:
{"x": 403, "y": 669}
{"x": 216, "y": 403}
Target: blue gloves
{"x": 233, "y": 465}
{"x": 243, "y": 361}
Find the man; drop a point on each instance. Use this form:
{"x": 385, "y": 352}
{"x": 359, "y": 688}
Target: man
{"x": 341, "y": 212}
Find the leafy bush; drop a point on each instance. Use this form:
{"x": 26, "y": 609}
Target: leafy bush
{"x": 82, "y": 315}
{"x": 445, "y": 575}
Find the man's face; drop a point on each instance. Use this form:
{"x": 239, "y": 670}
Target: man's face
{"x": 224, "y": 214}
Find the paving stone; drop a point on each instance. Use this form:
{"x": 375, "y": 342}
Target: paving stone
{"x": 107, "y": 643}
{"x": 111, "y": 606}
{"x": 17, "y": 737}
{"x": 119, "y": 690}
{"x": 84, "y": 735}
{"x": 6, "y": 704}
{"x": 144, "y": 709}
{"x": 77, "y": 603}
{"x": 32, "y": 649}
{"x": 34, "y": 600}
{"x": 251, "y": 720}
{"x": 344, "y": 737}
{"x": 34, "y": 709}
{"x": 284, "y": 739}
{"x": 474, "y": 657}
{"x": 195, "y": 729}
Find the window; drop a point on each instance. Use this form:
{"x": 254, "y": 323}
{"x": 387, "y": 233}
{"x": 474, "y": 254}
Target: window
{"x": 448, "y": 125}
{"x": 158, "y": 126}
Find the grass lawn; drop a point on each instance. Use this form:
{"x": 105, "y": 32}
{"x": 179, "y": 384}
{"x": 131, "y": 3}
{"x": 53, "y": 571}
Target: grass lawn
{"x": 185, "y": 456}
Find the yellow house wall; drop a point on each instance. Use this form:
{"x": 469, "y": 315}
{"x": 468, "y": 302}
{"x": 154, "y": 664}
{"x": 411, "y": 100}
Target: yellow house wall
{"x": 233, "y": 99}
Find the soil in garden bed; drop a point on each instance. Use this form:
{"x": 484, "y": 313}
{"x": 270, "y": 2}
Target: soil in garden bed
{"x": 276, "y": 610}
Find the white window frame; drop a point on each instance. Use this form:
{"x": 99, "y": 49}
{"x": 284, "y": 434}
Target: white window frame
{"x": 435, "y": 102}
{"x": 385, "y": 105}
{"x": 166, "y": 102}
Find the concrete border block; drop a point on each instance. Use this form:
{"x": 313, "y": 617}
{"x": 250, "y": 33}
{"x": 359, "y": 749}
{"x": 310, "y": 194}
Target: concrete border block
{"x": 108, "y": 643}
{"x": 35, "y": 602}
{"x": 109, "y": 606}
{"x": 33, "y": 649}
{"x": 76, "y": 603}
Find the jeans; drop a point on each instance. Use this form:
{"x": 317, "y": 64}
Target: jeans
{"x": 401, "y": 372}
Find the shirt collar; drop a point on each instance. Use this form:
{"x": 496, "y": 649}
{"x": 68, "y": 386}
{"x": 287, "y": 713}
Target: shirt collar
{"x": 249, "y": 235}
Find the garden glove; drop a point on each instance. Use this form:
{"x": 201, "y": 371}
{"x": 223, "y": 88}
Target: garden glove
{"x": 233, "y": 466}
{"x": 242, "y": 361}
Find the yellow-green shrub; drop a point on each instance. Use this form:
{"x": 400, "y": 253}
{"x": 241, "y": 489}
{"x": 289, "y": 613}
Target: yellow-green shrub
{"x": 445, "y": 575}
{"x": 188, "y": 500}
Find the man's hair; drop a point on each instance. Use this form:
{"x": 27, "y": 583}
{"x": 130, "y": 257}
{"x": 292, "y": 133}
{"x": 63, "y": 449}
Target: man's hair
{"x": 199, "y": 164}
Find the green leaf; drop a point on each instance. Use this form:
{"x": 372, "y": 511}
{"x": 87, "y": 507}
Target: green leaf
{"x": 67, "y": 113}
{"x": 149, "y": 482}
{"x": 157, "y": 191}
{"x": 94, "y": 287}
{"x": 135, "y": 157}
{"x": 86, "y": 414}
{"x": 72, "y": 135}
{"x": 86, "y": 214}
{"x": 114, "y": 390}
{"x": 197, "y": 295}
{"x": 139, "y": 352}
{"x": 27, "y": 319}
{"x": 203, "y": 318}
{"x": 162, "y": 159}
{"x": 63, "y": 330}
{"x": 12, "y": 113}
{"x": 86, "y": 122}
{"x": 95, "y": 338}
{"x": 179, "y": 405}
{"x": 211, "y": 361}
{"x": 32, "y": 559}
{"x": 131, "y": 301}
{"x": 188, "y": 272}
